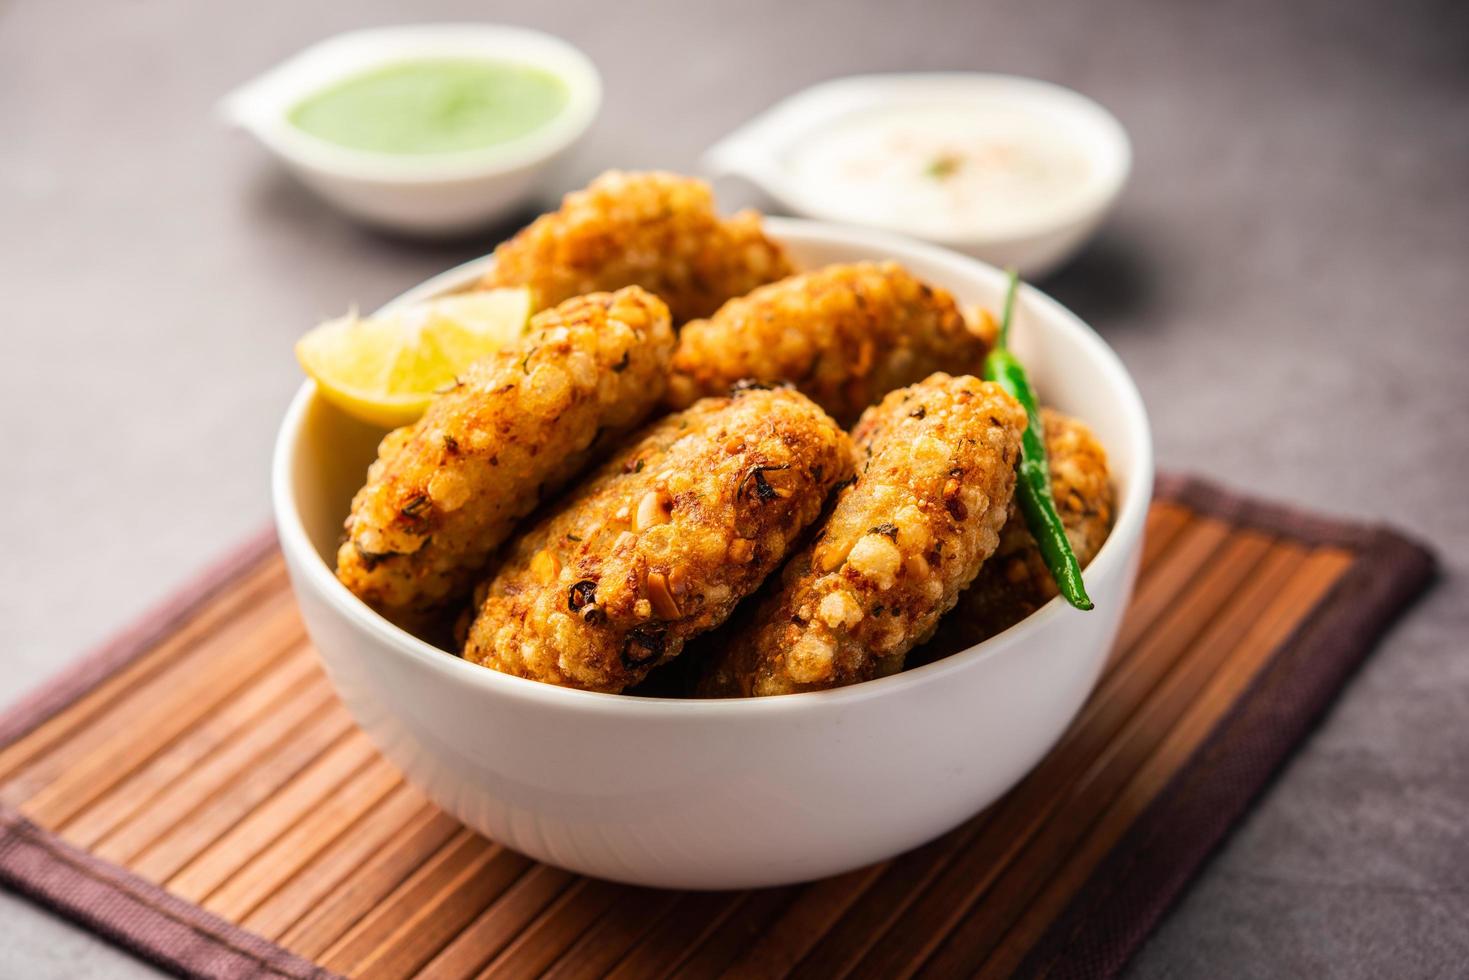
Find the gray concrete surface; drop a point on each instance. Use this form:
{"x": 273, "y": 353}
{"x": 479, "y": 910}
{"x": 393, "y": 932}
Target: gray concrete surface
{"x": 1287, "y": 277}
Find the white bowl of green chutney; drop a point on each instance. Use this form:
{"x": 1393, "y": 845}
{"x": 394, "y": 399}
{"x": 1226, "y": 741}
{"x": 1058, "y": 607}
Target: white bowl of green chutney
{"x": 425, "y": 129}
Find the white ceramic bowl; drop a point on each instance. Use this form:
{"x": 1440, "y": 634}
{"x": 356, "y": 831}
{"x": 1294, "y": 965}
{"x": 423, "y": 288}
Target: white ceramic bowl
{"x": 429, "y": 195}
{"x": 732, "y": 793}
{"x": 761, "y": 151}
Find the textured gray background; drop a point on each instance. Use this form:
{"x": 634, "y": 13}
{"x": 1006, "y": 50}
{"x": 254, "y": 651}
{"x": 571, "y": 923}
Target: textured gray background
{"x": 1287, "y": 278}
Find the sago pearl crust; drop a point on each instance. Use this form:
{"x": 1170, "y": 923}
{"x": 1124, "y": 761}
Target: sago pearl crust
{"x": 662, "y": 542}
{"x": 844, "y": 335}
{"x": 655, "y": 230}
{"x": 446, "y": 491}
{"x": 1015, "y": 582}
{"x": 935, "y": 476}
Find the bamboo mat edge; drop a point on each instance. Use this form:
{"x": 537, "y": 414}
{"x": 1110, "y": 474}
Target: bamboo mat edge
{"x": 1084, "y": 941}
{"x": 108, "y": 900}
{"x": 1125, "y": 897}
{"x": 135, "y": 914}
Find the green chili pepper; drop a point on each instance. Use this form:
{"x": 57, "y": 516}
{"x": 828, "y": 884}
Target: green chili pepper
{"x": 1033, "y": 485}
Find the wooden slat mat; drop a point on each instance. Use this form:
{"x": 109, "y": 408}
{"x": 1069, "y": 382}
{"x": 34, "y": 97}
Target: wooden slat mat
{"x": 195, "y": 793}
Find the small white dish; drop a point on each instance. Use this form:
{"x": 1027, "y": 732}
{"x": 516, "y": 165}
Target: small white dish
{"x": 730, "y": 793}
{"x": 1013, "y": 171}
{"x": 429, "y": 194}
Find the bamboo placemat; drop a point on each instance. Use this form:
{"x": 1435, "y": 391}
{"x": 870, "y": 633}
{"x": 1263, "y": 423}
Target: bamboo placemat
{"x": 195, "y": 793}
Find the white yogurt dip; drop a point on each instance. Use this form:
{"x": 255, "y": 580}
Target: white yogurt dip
{"x": 1014, "y": 171}
{"x": 944, "y": 170}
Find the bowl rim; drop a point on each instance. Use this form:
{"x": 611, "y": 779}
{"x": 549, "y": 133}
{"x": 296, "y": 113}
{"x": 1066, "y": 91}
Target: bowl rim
{"x": 752, "y": 150}
{"x": 1131, "y": 514}
{"x": 262, "y": 105}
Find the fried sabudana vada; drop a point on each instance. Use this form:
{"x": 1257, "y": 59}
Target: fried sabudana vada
{"x": 845, "y": 335}
{"x": 655, "y": 230}
{"x": 936, "y": 471}
{"x": 661, "y": 543}
{"x": 1015, "y": 582}
{"x": 447, "y": 490}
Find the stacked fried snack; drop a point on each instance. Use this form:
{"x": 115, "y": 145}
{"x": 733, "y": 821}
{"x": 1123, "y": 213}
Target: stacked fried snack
{"x": 879, "y": 532}
{"x": 845, "y": 335}
{"x": 1015, "y": 582}
{"x": 446, "y": 491}
{"x": 911, "y": 531}
{"x": 655, "y": 230}
{"x": 662, "y": 542}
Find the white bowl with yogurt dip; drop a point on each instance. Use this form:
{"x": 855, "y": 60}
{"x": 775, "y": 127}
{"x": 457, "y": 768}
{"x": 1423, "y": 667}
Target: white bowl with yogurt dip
{"x": 1014, "y": 171}
{"x": 425, "y": 129}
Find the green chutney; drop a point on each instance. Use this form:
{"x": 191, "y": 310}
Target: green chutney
{"x": 433, "y": 106}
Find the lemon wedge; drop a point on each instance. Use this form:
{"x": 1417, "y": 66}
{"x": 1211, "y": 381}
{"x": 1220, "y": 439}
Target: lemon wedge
{"x": 385, "y": 369}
